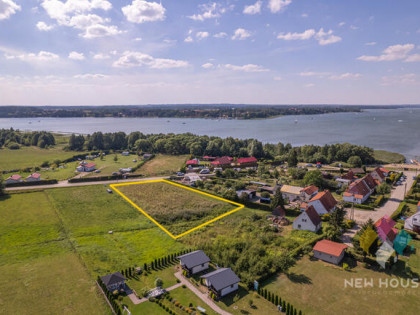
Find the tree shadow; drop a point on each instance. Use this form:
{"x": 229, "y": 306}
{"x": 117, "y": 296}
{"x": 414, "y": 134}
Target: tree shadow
{"x": 4, "y": 197}
{"x": 302, "y": 279}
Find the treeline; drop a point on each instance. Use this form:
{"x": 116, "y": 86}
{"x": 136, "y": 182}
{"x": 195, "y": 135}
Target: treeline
{"x": 176, "y": 144}
{"x": 173, "y": 111}
{"x": 13, "y": 139}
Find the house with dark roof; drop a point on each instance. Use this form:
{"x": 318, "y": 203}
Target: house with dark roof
{"x": 357, "y": 170}
{"x": 378, "y": 175}
{"x": 221, "y": 281}
{"x": 359, "y": 191}
{"x": 247, "y": 162}
{"x": 309, "y": 220}
{"x": 346, "y": 179}
{"x": 323, "y": 202}
{"x": 13, "y": 179}
{"x": 114, "y": 281}
{"x": 251, "y": 193}
{"x": 329, "y": 251}
{"x": 308, "y": 192}
{"x": 194, "y": 262}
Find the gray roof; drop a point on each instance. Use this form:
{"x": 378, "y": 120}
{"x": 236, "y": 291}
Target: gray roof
{"x": 193, "y": 259}
{"x": 113, "y": 278}
{"x": 221, "y": 278}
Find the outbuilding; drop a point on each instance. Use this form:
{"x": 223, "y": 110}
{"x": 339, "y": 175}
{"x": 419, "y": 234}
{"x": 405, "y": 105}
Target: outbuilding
{"x": 329, "y": 251}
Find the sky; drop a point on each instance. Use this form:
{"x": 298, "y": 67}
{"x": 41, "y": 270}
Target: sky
{"x": 134, "y": 52}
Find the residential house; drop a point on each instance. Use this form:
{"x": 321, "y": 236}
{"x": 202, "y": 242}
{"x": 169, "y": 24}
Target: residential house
{"x": 208, "y": 158}
{"x": 249, "y": 192}
{"x": 13, "y": 179}
{"x": 34, "y": 177}
{"x": 323, "y": 202}
{"x": 357, "y": 170}
{"x": 309, "y": 220}
{"x": 192, "y": 162}
{"x": 86, "y": 167}
{"x": 359, "y": 191}
{"x": 191, "y": 178}
{"x": 223, "y": 162}
{"x": 329, "y": 251}
{"x": 378, "y": 175}
{"x": 385, "y": 171}
{"x": 385, "y": 229}
{"x": 221, "y": 281}
{"x": 292, "y": 193}
{"x": 346, "y": 179}
{"x": 114, "y": 281}
{"x": 194, "y": 262}
{"x": 309, "y": 192}
{"x": 413, "y": 223}
{"x": 247, "y": 162}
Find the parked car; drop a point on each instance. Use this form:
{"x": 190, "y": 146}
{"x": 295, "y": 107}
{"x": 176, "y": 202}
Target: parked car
{"x": 205, "y": 171}
{"x": 180, "y": 174}
{"x": 109, "y": 191}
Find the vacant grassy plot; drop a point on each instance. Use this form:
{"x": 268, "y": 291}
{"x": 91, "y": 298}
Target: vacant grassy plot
{"x": 388, "y": 157}
{"x": 318, "y": 288}
{"x": 31, "y": 157}
{"x": 147, "y": 280}
{"x": 176, "y": 208}
{"x": 163, "y": 165}
{"x": 107, "y": 165}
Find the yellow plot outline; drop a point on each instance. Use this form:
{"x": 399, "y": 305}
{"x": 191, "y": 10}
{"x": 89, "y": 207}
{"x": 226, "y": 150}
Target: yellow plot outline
{"x": 239, "y": 206}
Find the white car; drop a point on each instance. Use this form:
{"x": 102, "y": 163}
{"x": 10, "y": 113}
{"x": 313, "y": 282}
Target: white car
{"x": 205, "y": 171}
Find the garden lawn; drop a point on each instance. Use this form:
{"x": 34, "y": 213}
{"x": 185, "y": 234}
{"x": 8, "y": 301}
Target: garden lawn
{"x": 107, "y": 165}
{"x": 317, "y": 287}
{"x": 162, "y": 165}
{"x": 388, "y": 157}
{"x": 185, "y": 296}
{"x": 176, "y": 208}
{"x": 147, "y": 280}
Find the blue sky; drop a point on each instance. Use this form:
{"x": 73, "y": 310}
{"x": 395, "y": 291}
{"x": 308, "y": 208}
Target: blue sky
{"x": 94, "y": 52}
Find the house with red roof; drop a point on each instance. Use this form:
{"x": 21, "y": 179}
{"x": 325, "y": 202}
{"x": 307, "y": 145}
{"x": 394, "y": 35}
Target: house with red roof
{"x": 323, "y": 202}
{"x": 329, "y": 251}
{"x": 384, "y": 171}
{"x": 359, "y": 191}
{"x": 192, "y": 162}
{"x": 378, "y": 175}
{"x": 13, "y": 179}
{"x": 35, "y": 177}
{"x": 86, "y": 167}
{"x": 247, "y": 162}
{"x": 308, "y": 192}
{"x": 208, "y": 158}
{"x": 385, "y": 228}
{"x": 224, "y": 161}
{"x": 309, "y": 220}
{"x": 346, "y": 179}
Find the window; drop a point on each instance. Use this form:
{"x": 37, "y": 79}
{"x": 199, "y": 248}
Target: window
{"x": 202, "y": 265}
{"x": 298, "y": 226}
{"x": 231, "y": 286}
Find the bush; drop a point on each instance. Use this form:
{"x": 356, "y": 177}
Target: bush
{"x": 13, "y": 146}
{"x": 184, "y": 286}
{"x": 378, "y": 201}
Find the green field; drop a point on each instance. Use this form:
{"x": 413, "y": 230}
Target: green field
{"x": 177, "y": 209}
{"x": 387, "y": 157}
{"x": 163, "y": 165}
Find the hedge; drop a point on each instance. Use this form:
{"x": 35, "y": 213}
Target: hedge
{"x": 378, "y": 201}
{"x": 37, "y": 183}
{"x": 400, "y": 210}
{"x": 101, "y": 178}
{"x": 363, "y": 207}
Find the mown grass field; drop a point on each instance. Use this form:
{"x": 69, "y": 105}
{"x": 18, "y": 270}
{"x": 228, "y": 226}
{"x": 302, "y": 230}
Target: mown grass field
{"x": 163, "y": 165}
{"x": 176, "y": 208}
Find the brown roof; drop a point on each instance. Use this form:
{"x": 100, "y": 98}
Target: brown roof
{"x": 310, "y": 190}
{"x": 357, "y": 170}
{"x": 279, "y": 212}
{"x": 379, "y": 172}
{"x": 313, "y": 215}
{"x": 348, "y": 176}
{"x": 358, "y": 188}
{"x": 370, "y": 181}
{"x": 326, "y": 199}
{"x": 224, "y": 160}
{"x": 330, "y": 247}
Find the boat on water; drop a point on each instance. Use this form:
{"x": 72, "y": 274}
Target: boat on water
{"x": 296, "y": 121}
{"x": 400, "y": 120}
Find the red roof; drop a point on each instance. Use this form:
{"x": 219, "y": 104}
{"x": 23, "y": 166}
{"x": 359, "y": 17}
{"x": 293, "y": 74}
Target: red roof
{"x": 15, "y": 177}
{"x": 357, "y": 188}
{"x": 247, "y": 160}
{"x": 35, "y": 175}
{"x": 191, "y": 162}
{"x": 326, "y": 199}
{"x": 418, "y": 205}
{"x": 384, "y": 170}
{"x": 89, "y": 165}
{"x": 224, "y": 160}
{"x": 330, "y": 247}
{"x": 348, "y": 176}
{"x": 310, "y": 190}
{"x": 370, "y": 181}
{"x": 380, "y": 173}
{"x": 313, "y": 215}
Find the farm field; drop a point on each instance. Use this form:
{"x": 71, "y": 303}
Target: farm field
{"x": 163, "y": 165}
{"x": 176, "y": 208}
{"x": 318, "y": 288}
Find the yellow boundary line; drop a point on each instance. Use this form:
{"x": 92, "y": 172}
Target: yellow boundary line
{"x": 239, "y": 206}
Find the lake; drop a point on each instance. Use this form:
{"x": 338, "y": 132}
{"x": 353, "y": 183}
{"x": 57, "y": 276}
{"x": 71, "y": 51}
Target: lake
{"x": 396, "y": 130}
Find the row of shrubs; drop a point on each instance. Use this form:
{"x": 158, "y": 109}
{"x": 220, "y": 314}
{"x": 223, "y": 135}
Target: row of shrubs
{"x": 363, "y": 207}
{"x": 402, "y": 208}
{"x": 164, "y": 261}
{"x": 176, "y": 303}
{"x": 378, "y": 201}
{"x": 276, "y": 300}
{"x": 37, "y": 183}
{"x": 100, "y": 178}
{"x": 110, "y": 296}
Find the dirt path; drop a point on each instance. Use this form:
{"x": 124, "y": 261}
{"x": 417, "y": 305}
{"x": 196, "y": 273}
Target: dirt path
{"x": 203, "y": 296}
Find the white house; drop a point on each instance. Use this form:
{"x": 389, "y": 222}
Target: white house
{"x": 413, "y": 223}
{"x": 194, "y": 262}
{"x": 221, "y": 281}
{"x": 323, "y": 202}
{"x": 291, "y": 192}
{"x": 346, "y": 179}
{"x": 35, "y": 177}
{"x": 378, "y": 174}
{"x": 308, "y": 192}
{"x": 125, "y": 153}
{"x": 13, "y": 179}
{"x": 191, "y": 178}
{"x": 309, "y": 220}
{"x": 359, "y": 191}
{"x": 86, "y": 167}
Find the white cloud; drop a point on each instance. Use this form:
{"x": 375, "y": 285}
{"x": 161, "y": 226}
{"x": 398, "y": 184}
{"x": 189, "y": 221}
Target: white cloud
{"x": 409, "y": 78}
{"x": 391, "y": 53}
{"x": 341, "y": 24}
{"x": 207, "y": 65}
{"x": 211, "y": 10}
{"x": 278, "y": 5}
{"x": 354, "y": 27}
{"x": 74, "y": 55}
{"x": 326, "y": 38}
{"x": 298, "y": 36}
{"x": 370, "y": 44}
{"x": 313, "y": 74}
{"x": 347, "y": 75}
{"x": 253, "y": 8}
{"x": 136, "y": 59}
{"x": 40, "y": 56}
{"x": 413, "y": 58}
{"x": 42, "y": 26}
{"x": 137, "y": 39}
{"x": 8, "y": 8}
{"x": 277, "y": 78}
{"x": 188, "y": 39}
{"x": 304, "y": 15}
{"x": 99, "y": 30}
{"x": 101, "y": 56}
{"x": 90, "y": 76}
{"x": 241, "y": 34}
{"x": 202, "y": 35}
{"x": 220, "y": 35}
{"x": 143, "y": 11}
{"x": 245, "y": 68}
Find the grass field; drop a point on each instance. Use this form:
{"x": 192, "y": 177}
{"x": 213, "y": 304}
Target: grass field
{"x": 318, "y": 288}
{"x": 163, "y": 165}
{"x": 388, "y": 157}
{"x": 176, "y": 208}
{"x": 107, "y": 165}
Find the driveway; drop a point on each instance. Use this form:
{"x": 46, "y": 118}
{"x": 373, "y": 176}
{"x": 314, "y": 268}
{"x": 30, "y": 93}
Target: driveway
{"x": 203, "y": 296}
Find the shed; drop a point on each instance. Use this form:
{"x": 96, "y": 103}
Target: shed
{"x": 329, "y": 251}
